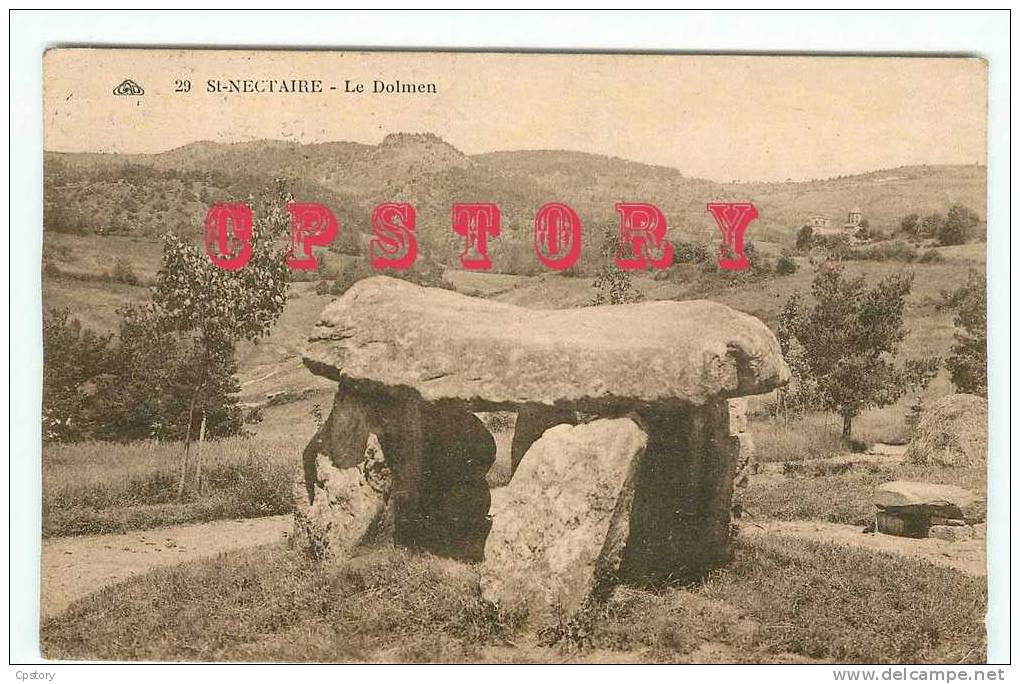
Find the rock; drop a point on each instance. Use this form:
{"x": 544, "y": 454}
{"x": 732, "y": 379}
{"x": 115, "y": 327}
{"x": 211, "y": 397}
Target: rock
{"x": 680, "y": 522}
{"x": 944, "y": 501}
{"x": 903, "y": 523}
{"x": 532, "y": 422}
{"x": 454, "y": 503}
{"x": 414, "y": 364}
{"x": 980, "y": 530}
{"x": 560, "y": 527}
{"x": 347, "y": 503}
{"x": 444, "y": 346}
{"x": 737, "y": 409}
{"x": 951, "y": 432}
{"x": 951, "y": 533}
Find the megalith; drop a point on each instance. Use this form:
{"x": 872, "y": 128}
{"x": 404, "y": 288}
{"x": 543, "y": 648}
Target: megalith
{"x": 577, "y": 488}
{"x": 651, "y": 380}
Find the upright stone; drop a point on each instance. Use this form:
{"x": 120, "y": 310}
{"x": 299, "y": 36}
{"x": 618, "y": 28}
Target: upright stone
{"x": 560, "y": 527}
{"x": 347, "y": 480}
{"x": 680, "y": 525}
{"x": 454, "y": 503}
{"x": 532, "y": 421}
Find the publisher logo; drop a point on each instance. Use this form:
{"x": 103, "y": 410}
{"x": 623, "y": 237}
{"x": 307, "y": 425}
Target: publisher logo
{"x": 128, "y": 87}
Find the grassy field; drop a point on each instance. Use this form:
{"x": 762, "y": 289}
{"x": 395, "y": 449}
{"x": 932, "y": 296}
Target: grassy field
{"x": 98, "y": 487}
{"x": 779, "y": 601}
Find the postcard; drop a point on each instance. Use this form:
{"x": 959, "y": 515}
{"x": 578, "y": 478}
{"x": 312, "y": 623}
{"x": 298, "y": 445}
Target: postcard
{"x": 504, "y": 357}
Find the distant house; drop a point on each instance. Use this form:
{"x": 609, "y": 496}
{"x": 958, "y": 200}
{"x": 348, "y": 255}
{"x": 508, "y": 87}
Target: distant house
{"x": 821, "y": 225}
{"x": 853, "y": 219}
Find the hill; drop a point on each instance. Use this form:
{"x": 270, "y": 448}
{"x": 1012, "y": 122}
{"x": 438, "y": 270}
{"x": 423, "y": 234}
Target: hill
{"x": 145, "y": 195}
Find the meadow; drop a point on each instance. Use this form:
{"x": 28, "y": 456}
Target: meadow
{"x": 779, "y": 600}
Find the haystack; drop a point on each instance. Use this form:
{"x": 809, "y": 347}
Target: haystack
{"x": 953, "y": 431}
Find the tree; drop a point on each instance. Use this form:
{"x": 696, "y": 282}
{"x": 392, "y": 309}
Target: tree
{"x": 805, "y": 237}
{"x": 957, "y": 226}
{"x": 76, "y": 359}
{"x": 930, "y": 225}
{"x": 218, "y": 308}
{"x": 153, "y": 370}
{"x": 612, "y": 285}
{"x": 909, "y": 223}
{"x": 849, "y": 337}
{"x": 968, "y": 359}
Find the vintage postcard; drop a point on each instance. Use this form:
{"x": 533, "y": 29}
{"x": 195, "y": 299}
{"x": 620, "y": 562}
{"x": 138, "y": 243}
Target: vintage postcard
{"x": 472, "y": 357}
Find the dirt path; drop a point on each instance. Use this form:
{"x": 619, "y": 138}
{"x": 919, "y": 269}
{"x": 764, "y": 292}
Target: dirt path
{"x": 966, "y": 556}
{"x": 74, "y": 567}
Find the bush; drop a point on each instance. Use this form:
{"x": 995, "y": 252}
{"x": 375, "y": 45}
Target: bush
{"x": 930, "y": 256}
{"x": 957, "y": 226}
{"x": 686, "y": 252}
{"x": 895, "y": 250}
{"x": 805, "y": 238}
{"x": 968, "y": 360}
{"x": 786, "y": 265}
{"x": 76, "y": 359}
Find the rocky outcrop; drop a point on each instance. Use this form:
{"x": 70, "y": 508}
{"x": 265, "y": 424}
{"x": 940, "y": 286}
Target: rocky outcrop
{"x": 625, "y": 448}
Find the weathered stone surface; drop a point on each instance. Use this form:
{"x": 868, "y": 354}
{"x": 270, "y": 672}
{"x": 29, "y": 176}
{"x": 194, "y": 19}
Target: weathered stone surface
{"x": 560, "y": 527}
{"x": 737, "y": 409}
{"x": 347, "y": 504}
{"x": 532, "y": 422}
{"x": 943, "y": 501}
{"x": 680, "y": 521}
{"x": 446, "y": 346}
{"x": 951, "y": 533}
{"x": 363, "y": 443}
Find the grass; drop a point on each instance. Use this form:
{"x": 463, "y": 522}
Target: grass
{"x": 840, "y": 492}
{"x": 99, "y": 487}
{"x": 779, "y": 600}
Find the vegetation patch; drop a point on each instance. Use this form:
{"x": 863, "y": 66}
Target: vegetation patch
{"x": 779, "y": 600}
{"x": 101, "y": 487}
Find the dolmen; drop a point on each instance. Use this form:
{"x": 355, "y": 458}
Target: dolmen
{"x": 624, "y": 454}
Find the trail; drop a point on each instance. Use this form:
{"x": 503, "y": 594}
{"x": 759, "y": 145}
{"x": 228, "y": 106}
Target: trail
{"x": 966, "y": 556}
{"x": 74, "y": 567}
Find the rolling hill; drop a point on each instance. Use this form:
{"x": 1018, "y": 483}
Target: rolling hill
{"x": 146, "y": 195}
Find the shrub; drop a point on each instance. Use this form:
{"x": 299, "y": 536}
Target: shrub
{"x": 957, "y": 226}
{"x": 786, "y": 265}
{"x": 76, "y": 358}
{"x": 687, "y": 252}
{"x": 805, "y": 238}
{"x": 968, "y": 360}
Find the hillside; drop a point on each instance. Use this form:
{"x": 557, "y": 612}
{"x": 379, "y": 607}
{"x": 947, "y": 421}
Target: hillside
{"x": 145, "y": 195}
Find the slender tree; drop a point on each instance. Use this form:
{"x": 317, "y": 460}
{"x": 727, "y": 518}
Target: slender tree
{"x": 219, "y": 308}
{"x": 847, "y": 341}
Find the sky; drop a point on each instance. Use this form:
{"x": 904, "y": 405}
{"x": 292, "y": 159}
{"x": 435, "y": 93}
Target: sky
{"x": 723, "y": 118}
